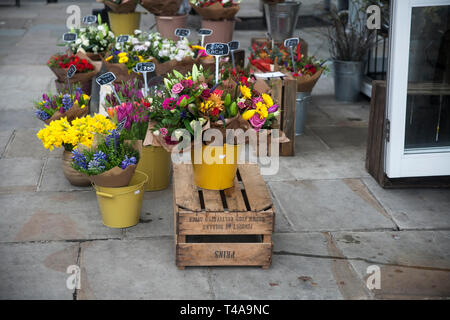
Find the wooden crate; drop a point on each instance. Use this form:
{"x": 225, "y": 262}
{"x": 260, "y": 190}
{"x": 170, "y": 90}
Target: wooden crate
{"x": 232, "y": 227}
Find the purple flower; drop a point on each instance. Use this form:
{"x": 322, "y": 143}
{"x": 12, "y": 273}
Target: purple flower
{"x": 66, "y": 102}
{"x": 163, "y": 131}
{"x": 79, "y": 159}
{"x": 273, "y": 108}
{"x": 177, "y": 88}
{"x": 42, "y": 115}
{"x": 45, "y": 97}
{"x": 206, "y": 94}
{"x": 187, "y": 83}
{"x": 257, "y": 122}
{"x": 127, "y": 162}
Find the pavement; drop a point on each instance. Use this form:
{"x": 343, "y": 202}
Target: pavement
{"x": 334, "y": 223}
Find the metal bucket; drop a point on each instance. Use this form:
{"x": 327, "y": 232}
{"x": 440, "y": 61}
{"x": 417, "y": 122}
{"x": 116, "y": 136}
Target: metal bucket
{"x": 347, "y": 80}
{"x": 303, "y": 99}
{"x": 281, "y": 19}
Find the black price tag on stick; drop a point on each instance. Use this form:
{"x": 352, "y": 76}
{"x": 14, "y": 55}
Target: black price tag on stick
{"x": 69, "y": 37}
{"x": 234, "y": 45}
{"x": 217, "y": 49}
{"x": 123, "y": 38}
{"x": 182, "y": 32}
{"x": 89, "y": 19}
{"x": 205, "y": 32}
{"x": 105, "y": 78}
{"x": 145, "y": 67}
{"x": 291, "y": 42}
{"x": 121, "y": 124}
{"x": 71, "y": 71}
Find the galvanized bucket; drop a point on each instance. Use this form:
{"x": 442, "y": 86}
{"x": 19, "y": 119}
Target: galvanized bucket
{"x": 303, "y": 99}
{"x": 281, "y": 19}
{"x": 347, "y": 80}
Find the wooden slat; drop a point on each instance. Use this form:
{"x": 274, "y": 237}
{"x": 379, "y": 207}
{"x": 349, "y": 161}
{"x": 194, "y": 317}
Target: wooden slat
{"x": 224, "y": 254}
{"x": 258, "y": 196}
{"x": 235, "y": 201}
{"x": 213, "y": 201}
{"x": 203, "y": 223}
{"x": 288, "y": 117}
{"x": 186, "y": 195}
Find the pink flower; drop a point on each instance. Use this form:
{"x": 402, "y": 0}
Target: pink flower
{"x": 168, "y": 103}
{"x": 273, "y": 108}
{"x": 187, "y": 83}
{"x": 242, "y": 105}
{"x": 257, "y": 122}
{"x": 218, "y": 92}
{"x": 163, "y": 131}
{"x": 181, "y": 99}
{"x": 177, "y": 88}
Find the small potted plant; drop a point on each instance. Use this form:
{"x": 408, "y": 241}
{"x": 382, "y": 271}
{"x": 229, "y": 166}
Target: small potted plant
{"x": 62, "y": 133}
{"x": 166, "y": 16}
{"x": 350, "y": 40}
{"x": 217, "y": 15}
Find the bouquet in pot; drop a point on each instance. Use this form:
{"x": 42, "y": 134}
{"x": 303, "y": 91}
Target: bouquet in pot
{"x": 128, "y": 91}
{"x": 110, "y": 162}
{"x": 216, "y": 9}
{"x": 162, "y": 7}
{"x": 86, "y": 68}
{"x": 121, "y": 6}
{"x": 54, "y": 107}
{"x": 93, "y": 39}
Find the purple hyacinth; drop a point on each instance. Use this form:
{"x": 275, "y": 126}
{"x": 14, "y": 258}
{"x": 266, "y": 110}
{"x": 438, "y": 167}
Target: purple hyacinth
{"x": 112, "y": 137}
{"x": 127, "y": 162}
{"x": 42, "y": 115}
{"x": 79, "y": 159}
{"x": 66, "y": 102}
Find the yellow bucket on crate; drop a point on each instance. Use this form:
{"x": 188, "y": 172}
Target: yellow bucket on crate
{"x": 124, "y": 23}
{"x": 121, "y": 207}
{"x": 217, "y": 168}
{"x": 155, "y": 163}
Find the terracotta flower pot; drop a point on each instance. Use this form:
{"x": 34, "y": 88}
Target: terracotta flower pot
{"x": 75, "y": 178}
{"x": 222, "y": 30}
{"x": 166, "y": 25}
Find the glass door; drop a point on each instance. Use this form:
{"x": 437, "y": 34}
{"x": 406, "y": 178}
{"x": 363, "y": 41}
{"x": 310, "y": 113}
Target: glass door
{"x": 419, "y": 89}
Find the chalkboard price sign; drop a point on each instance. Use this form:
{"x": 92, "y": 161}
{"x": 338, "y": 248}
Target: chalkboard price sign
{"x": 123, "y": 38}
{"x": 69, "y": 37}
{"x": 291, "y": 42}
{"x": 234, "y": 45}
{"x": 181, "y": 32}
{"x": 89, "y": 19}
{"x": 71, "y": 71}
{"x": 145, "y": 67}
{"x": 217, "y": 49}
{"x": 205, "y": 32}
{"x": 106, "y": 78}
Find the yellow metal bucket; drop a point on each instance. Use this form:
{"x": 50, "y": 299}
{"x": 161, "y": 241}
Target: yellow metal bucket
{"x": 155, "y": 163}
{"x": 121, "y": 207}
{"x": 124, "y": 23}
{"x": 216, "y": 166}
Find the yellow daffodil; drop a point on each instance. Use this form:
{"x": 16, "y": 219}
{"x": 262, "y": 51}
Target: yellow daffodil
{"x": 261, "y": 109}
{"x": 246, "y": 92}
{"x": 123, "y": 60}
{"x": 267, "y": 100}
{"x": 86, "y": 97}
{"x": 122, "y": 54}
{"x": 248, "y": 114}
{"x": 108, "y": 58}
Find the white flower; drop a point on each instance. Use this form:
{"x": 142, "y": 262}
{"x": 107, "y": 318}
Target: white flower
{"x": 101, "y": 28}
{"x": 86, "y": 43}
{"x": 137, "y": 31}
{"x": 78, "y": 41}
{"x": 202, "y": 121}
{"x": 156, "y": 133}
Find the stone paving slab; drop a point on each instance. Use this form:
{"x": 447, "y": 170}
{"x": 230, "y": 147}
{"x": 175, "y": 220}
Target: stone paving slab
{"x": 414, "y": 208}
{"x": 348, "y": 162}
{"x": 413, "y": 264}
{"x": 138, "y": 269}
{"x": 25, "y": 144}
{"x": 5, "y": 135}
{"x": 17, "y": 119}
{"x": 293, "y": 275}
{"x": 19, "y": 174}
{"x": 28, "y": 84}
{"x": 42, "y": 216}
{"x": 338, "y": 137}
{"x": 325, "y": 205}
{"x": 53, "y": 178}
{"x": 353, "y": 115}
{"x": 36, "y": 270}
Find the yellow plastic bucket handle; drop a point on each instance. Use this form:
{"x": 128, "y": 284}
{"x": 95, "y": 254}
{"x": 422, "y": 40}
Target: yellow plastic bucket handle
{"x": 104, "y": 194}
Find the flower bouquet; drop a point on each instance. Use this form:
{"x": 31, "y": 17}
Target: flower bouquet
{"x": 62, "y": 133}
{"x": 86, "y": 68}
{"x": 110, "y": 162}
{"x": 121, "y": 6}
{"x": 216, "y": 9}
{"x": 94, "y": 40}
{"x": 54, "y": 107}
{"x": 128, "y": 91}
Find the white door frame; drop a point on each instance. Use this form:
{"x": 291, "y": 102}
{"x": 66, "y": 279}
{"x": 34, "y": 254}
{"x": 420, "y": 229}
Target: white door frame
{"x": 397, "y": 163}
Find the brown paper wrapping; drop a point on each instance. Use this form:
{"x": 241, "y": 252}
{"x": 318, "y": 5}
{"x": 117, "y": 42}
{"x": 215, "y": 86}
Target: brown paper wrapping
{"x": 126, "y": 6}
{"x": 217, "y": 12}
{"x": 121, "y": 71}
{"x": 114, "y": 178}
{"x": 71, "y": 114}
{"x": 162, "y": 7}
{"x": 183, "y": 66}
{"x": 61, "y": 74}
{"x": 307, "y": 83}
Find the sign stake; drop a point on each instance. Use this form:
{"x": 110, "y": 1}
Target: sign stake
{"x": 217, "y": 50}
{"x": 291, "y": 43}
